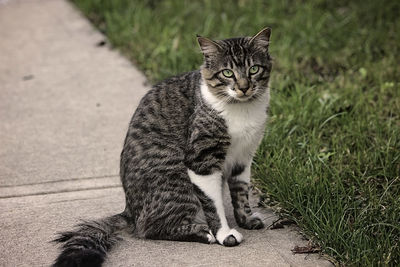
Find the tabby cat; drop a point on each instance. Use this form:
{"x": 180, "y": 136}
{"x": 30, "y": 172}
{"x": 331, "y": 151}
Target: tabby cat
{"x": 189, "y": 134}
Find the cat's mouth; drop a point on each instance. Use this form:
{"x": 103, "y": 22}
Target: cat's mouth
{"x": 243, "y": 98}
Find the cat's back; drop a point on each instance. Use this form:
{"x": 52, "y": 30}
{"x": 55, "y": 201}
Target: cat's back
{"x": 170, "y": 92}
{"x": 166, "y": 108}
{"x": 180, "y": 86}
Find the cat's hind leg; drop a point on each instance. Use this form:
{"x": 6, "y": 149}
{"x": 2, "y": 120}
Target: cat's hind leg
{"x": 173, "y": 212}
{"x": 187, "y": 230}
{"x": 190, "y": 233}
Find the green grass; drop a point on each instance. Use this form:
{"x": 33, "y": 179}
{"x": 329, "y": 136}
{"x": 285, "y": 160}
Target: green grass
{"x": 331, "y": 156}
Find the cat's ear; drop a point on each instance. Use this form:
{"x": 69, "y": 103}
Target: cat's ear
{"x": 261, "y": 38}
{"x": 208, "y": 46}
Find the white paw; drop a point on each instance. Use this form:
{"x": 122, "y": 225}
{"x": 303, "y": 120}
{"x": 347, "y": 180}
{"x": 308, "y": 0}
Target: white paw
{"x": 211, "y": 238}
{"x": 236, "y": 234}
{"x": 223, "y": 233}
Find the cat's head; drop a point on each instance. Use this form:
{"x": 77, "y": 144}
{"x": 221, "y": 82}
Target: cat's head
{"x": 237, "y": 69}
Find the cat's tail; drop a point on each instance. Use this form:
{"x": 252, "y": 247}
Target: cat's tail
{"x": 88, "y": 244}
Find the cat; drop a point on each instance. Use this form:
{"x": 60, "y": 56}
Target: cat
{"x": 189, "y": 134}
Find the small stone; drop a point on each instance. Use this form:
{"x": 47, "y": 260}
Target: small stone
{"x": 28, "y": 77}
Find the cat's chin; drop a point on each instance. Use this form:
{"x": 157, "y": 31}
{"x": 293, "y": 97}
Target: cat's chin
{"x": 241, "y": 99}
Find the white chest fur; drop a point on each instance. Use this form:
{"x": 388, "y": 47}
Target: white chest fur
{"x": 245, "y": 122}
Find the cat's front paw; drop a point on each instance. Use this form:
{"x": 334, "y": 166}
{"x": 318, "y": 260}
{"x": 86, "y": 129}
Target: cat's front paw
{"x": 229, "y": 237}
{"x": 252, "y": 222}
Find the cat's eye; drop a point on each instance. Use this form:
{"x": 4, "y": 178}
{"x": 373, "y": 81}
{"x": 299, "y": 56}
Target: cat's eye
{"x": 227, "y": 73}
{"x": 254, "y": 69}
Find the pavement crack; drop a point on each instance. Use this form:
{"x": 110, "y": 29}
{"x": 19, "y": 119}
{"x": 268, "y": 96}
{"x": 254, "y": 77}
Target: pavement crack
{"x": 58, "y": 191}
{"x": 62, "y": 180}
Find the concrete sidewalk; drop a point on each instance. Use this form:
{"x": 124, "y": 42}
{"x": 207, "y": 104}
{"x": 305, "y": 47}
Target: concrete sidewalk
{"x": 64, "y": 109}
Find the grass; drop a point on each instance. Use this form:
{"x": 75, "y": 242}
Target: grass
{"x": 331, "y": 157}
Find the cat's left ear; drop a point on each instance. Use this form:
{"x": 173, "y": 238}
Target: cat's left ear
{"x": 262, "y": 38}
{"x": 208, "y": 46}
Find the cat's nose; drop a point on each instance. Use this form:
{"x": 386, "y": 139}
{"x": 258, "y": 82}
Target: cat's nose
{"x": 244, "y": 89}
{"x": 243, "y": 85}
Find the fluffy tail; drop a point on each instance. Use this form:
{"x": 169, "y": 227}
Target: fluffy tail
{"x": 88, "y": 244}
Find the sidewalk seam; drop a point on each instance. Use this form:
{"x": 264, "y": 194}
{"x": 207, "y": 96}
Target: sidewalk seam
{"x": 60, "y": 191}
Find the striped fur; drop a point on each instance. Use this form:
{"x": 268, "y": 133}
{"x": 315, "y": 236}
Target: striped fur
{"x": 89, "y": 243}
{"x": 189, "y": 134}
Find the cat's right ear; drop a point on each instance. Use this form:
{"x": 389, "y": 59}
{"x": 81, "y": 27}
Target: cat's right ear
{"x": 261, "y": 39}
{"x": 208, "y": 46}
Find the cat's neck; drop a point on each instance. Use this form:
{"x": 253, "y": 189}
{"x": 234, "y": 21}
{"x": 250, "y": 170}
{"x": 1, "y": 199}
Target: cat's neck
{"x": 245, "y": 124}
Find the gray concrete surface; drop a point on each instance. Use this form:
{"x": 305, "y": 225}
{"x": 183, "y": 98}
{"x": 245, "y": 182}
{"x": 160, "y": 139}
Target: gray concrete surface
{"x": 65, "y": 104}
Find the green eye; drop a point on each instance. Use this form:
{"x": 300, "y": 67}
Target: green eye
{"x": 227, "y": 73}
{"x": 254, "y": 69}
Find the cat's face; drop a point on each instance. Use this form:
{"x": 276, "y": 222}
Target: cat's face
{"x": 237, "y": 69}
